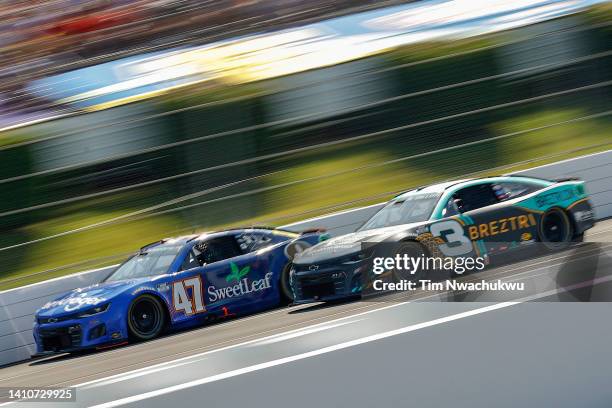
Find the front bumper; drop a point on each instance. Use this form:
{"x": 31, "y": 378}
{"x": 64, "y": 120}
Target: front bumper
{"x": 78, "y": 334}
{"x": 322, "y": 283}
{"x": 58, "y": 338}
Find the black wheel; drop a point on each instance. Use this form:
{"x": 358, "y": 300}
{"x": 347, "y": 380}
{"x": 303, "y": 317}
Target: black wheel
{"x": 146, "y": 318}
{"x": 285, "y": 286}
{"x": 413, "y": 250}
{"x": 555, "y": 229}
{"x": 578, "y": 238}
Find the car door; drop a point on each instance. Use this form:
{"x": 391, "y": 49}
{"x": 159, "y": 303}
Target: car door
{"x": 202, "y": 267}
{"x": 235, "y": 280}
{"x": 494, "y": 226}
{"x": 185, "y": 289}
{"x": 456, "y": 217}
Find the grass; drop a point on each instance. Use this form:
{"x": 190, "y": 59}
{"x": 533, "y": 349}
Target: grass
{"x": 599, "y": 14}
{"x": 11, "y": 137}
{"x": 197, "y": 95}
{"x": 355, "y": 180}
{"x": 542, "y": 142}
{"x": 102, "y": 243}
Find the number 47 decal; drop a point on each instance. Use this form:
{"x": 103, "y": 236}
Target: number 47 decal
{"x": 181, "y": 300}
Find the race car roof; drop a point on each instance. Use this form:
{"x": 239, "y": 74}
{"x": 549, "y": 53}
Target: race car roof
{"x": 211, "y": 234}
{"x": 441, "y": 187}
{"x": 433, "y": 188}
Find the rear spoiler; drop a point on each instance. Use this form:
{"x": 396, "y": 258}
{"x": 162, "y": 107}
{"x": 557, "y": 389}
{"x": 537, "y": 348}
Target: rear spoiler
{"x": 315, "y": 230}
{"x": 555, "y": 180}
{"x": 563, "y": 179}
{"x": 161, "y": 241}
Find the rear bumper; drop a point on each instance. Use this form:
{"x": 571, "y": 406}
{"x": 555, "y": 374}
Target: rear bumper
{"x": 583, "y": 216}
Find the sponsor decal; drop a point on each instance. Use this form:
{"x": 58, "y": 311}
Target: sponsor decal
{"x": 555, "y": 197}
{"x": 251, "y": 241}
{"x": 237, "y": 273}
{"x": 74, "y": 303}
{"x": 430, "y": 242}
{"x": 527, "y": 238}
{"x": 324, "y": 237}
{"x": 142, "y": 289}
{"x": 243, "y": 285}
{"x": 583, "y": 215}
{"x": 501, "y": 226}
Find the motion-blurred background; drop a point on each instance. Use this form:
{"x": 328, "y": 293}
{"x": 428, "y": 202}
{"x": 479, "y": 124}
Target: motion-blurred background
{"x": 125, "y": 121}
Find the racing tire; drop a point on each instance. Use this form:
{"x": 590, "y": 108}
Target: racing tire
{"x": 146, "y": 318}
{"x": 286, "y": 293}
{"x": 555, "y": 229}
{"x": 414, "y": 250}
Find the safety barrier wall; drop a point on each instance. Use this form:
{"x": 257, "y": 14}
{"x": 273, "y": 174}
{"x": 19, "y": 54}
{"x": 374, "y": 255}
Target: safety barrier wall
{"x": 594, "y": 169}
{"x": 19, "y": 305}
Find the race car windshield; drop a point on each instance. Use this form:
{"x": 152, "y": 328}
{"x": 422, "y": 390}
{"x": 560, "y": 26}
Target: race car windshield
{"x": 150, "y": 262}
{"x": 405, "y": 210}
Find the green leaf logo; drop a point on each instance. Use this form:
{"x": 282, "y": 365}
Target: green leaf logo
{"x": 236, "y": 273}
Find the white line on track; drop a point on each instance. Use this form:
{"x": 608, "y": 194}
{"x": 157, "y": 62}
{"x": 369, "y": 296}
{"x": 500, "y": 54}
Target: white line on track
{"x": 220, "y": 326}
{"x": 340, "y": 346}
{"x": 200, "y": 356}
{"x": 276, "y": 338}
{"x": 301, "y": 356}
{"x": 264, "y": 340}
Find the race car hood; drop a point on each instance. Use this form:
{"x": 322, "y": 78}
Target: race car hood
{"x": 83, "y": 299}
{"x": 348, "y": 244}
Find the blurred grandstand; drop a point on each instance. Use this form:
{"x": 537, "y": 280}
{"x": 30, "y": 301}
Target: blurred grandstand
{"x": 47, "y": 37}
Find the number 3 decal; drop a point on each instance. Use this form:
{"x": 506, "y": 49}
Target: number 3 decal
{"x": 456, "y": 241}
{"x": 180, "y": 299}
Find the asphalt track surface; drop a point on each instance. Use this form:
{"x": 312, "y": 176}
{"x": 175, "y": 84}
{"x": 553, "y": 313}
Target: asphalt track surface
{"x": 520, "y": 348}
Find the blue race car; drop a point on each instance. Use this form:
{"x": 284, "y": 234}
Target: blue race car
{"x": 172, "y": 284}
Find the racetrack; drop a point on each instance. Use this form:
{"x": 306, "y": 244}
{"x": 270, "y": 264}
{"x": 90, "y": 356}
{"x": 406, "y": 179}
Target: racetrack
{"x": 410, "y": 347}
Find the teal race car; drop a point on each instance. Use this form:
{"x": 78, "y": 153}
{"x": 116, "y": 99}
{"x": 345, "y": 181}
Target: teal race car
{"x": 484, "y": 219}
